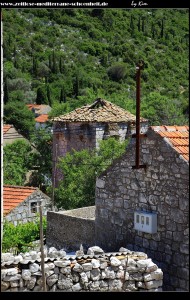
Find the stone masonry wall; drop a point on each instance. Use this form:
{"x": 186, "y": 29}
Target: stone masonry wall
{"x": 71, "y": 228}
{"x": 123, "y": 271}
{"x": 22, "y": 213}
{"x": 163, "y": 187}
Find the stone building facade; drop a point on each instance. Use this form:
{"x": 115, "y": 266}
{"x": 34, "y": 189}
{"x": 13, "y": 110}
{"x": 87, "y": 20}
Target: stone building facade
{"x": 21, "y": 204}
{"x": 161, "y": 190}
{"x": 85, "y": 127}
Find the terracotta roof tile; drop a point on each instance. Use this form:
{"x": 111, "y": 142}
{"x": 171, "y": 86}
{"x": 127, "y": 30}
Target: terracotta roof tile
{"x": 42, "y": 118}
{"x": 178, "y": 137}
{"x": 14, "y": 195}
{"x": 6, "y": 127}
{"x": 100, "y": 111}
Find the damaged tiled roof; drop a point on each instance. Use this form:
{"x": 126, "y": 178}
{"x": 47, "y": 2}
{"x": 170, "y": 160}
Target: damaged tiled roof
{"x": 6, "y": 127}
{"x": 177, "y": 136}
{"x": 42, "y": 118}
{"x": 14, "y": 195}
{"x": 100, "y": 111}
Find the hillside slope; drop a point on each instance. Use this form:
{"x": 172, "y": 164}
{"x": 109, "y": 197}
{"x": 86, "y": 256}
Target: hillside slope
{"x": 72, "y": 56}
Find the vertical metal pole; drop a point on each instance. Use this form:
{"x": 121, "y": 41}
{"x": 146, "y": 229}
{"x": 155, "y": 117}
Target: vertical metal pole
{"x": 42, "y": 248}
{"x": 2, "y": 94}
{"x": 138, "y": 117}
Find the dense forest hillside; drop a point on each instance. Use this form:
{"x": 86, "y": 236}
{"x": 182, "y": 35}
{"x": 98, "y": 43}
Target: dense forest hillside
{"x": 69, "y": 57}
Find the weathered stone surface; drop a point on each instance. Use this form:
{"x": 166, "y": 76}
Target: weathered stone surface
{"x": 156, "y": 275}
{"x": 115, "y": 262}
{"x": 95, "y": 263}
{"x": 52, "y": 279}
{"x": 10, "y": 271}
{"x": 98, "y": 274}
{"x": 162, "y": 188}
{"x": 14, "y": 283}
{"x": 100, "y": 183}
{"x": 95, "y": 274}
{"x": 64, "y": 284}
{"x": 34, "y": 267}
{"x": 94, "y": 250}
{"x": 129, "y": 286}
{"x": 12, "y": 277}
{"x": 153, "y": 284}
{"x": 87, "y": 267}
{"x": 76, "y": 287}
{"x": 62, "y": 263}
{"x": 31, "y": 283}
{"x": 151, "y": 267}
{"x": 78, "y": 268}
{"x": 66, "y": 270}
{"x": 136, "y": 277}
{"x": 75, "y": 277}
{"x": 83, "y": 277}
{"x": 26, "y": 274}
{"x": 5, "y": 285}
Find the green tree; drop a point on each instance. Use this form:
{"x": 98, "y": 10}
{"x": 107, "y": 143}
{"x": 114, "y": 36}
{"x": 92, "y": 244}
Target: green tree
{"x": 42, "y": 157}
{"x": 41, "y": 97}
{"x": 160, "y": 110}
{"x": 49, "y": 95}
{"x": 18, "y": 114}
{"x": 6, "y": 92}
{"x": 77, "y": 189}
{"x": 20, "y": 237}
{"x": 62, "y": 96}
{"x": 117, "y": 71}
{"x": 17, "y": 160}
{"x": 59, "y": 109}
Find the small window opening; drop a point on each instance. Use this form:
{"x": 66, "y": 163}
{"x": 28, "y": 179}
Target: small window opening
{"x": 33, "y": 207}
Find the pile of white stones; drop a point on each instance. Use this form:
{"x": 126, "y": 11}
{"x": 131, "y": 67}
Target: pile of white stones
{"x": 122, "y": 271}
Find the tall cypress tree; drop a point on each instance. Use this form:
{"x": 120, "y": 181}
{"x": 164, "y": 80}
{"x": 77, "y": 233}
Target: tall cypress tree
{"x": 50, "y": 62}
{"x": 62, "y": 96}
{"x": 54, "y": 66}
{"x": 60, "y": 65}
{"x": 49, "y": 95}
{"x": 132, "y": 24}
{"x": 76, "y": 86}
{"x": 6, "y": 92}
{"x": 162, "y": 29}
{"x": 139, "y": 24}
{"x": 41, "y": 97}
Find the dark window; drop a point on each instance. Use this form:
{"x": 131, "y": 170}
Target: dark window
{"x": 33, "y": 207}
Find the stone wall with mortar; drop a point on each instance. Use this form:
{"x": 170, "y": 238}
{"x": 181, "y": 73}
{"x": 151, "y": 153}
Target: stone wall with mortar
{"x": 163, "y": 188}
{"x": 71, "y": 228}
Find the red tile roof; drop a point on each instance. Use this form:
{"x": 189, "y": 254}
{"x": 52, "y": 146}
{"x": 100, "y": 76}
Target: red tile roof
{"x": 6, "y": 127}
{"x": 42, "y": 118}
{"x": 178, "y": 137}
{"x": 14, "y": 195}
